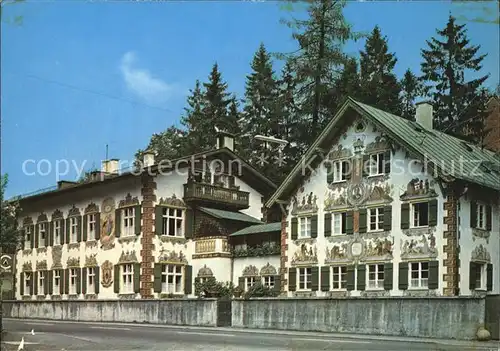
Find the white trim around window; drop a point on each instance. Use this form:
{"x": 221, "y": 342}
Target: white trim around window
{"x": 42, "y": 234}
{"x": 375, "y": 276}
{"x": 377, "y": 164}
{"x": 304, "y": 278}
{"x": 418, "y": 275}
{"x": 128, "y": 220}
{"x": 268, "y": 281}
{"x": 57, "y": 232}
{"x": 338, "y": 279}
{"x": 27, "y": 237}
{"x": 172, "y": 279}
{"x": 41, "y": 283}
{"x": 73, "y": 225}
{"x": 481, "y": 216}
{"x": 127, "y": 281}
{"x": 419, "y": 214}
{"x": 173, "y": 221}
{"x": 73, "y": 281}
{"x": 305, "y": 227}
{"x": 56, "y": 286}
{"x": 91, "y": 226}
{"x": 250, "y": 281}
{"x": 27, "y": 283}
{"x": 339, "y": 223}
{"x": 375, "y": 218}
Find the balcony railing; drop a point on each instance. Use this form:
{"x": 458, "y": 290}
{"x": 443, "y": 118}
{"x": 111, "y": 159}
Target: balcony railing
{"x": 211, "y": 246}
{"x": 215, "y": 194}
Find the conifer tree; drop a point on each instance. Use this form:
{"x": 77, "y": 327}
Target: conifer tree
{"x": 347, "y": 85}
{"x": 410, "y": 90}
{"x": 195, "y": 122}
{"x": 459, "y": 105}
{"x": 379, "y": 85}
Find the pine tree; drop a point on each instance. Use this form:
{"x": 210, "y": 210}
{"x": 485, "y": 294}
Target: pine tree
{"x": 459, "y": 105}
{"x": 321, "y": 38}
{"x": 347, "y": 85}
{"x": 195, "y": 122}
{"x": 379, "y": 85}
{"x": 410, "y": 90}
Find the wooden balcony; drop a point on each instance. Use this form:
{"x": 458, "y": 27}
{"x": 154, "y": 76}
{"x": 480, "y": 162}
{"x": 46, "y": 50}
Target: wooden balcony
{"x": 211, "y": 247}
{"x": 216, "y": 196}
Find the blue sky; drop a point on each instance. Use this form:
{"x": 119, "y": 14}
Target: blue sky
{"x": 78, "y": 75}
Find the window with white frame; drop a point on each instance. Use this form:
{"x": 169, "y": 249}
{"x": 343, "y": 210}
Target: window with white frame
{"x": 268, "y": 281}
{"x": 128, "y": 221}
{"x": 42, "y": 234}
{"x": 339, "y": 223}
{"x": 375, "y": 219}
{"x": 171, "y": 279}
{"x": 27, "y": 283}
{"x": 57, "y": 282}
{"x": 339, "y": 278}
{"x": 420, "y": 214}
{"x": 481, "y": 216}
{"x": 41, "y": 283}
{"x": 57, "y": 232}
{"x": 73, "y": 225}
{"x": 91, "y": 279}
{"x": 304, "y": 227}
{"x": 376, "y": 276}
{"x": 91, "y": 225}
{"x": 419, "y": 275}
{"x": 377, "y": 164}
{"x": 27, "y": 237}
{"x": 249, "y": 282}
{"x": 340, "y": 171}
{"x": 73, "y": 281}
{"x": 172, "y": 221}
{"x": 305, "y": 278}
{"x": 480, "y": 276}
{"x": 128, "y": 278}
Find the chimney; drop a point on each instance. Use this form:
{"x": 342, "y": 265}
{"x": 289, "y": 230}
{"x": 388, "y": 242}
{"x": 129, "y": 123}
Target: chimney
{"x": 110, "y": 166}
{"x": 148, "y": 158}
{"x": 225, "y": 139}
{"x": 423, "y": 114}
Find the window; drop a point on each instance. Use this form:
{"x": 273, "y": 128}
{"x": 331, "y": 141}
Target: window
{"x": 339, "y": 223}
{"x": 172, "y": 222}
{"x": 419, "y": 275}
{"x": 57, "y": 232}
{"x": 420, "y": 214}
{"x": 376, "y": 276}
{"x": 91, "y": 219}
{"x": 27, "y": 237}
{"x": 268, "y": 281}
{"x": 128, "y": 278}
{"x": 480, "y": 275}
{"x": 42, "y": 234}
{"x": 375, "y": 219}
{"x": 27, "y": 283}
{"x": 481, "y": 216}
{"x": 249, "y": 282}
{"x": 377, "y": 164}
{"x": 57, "y": 282}
{"x": 41, "y": 283}
{"x": 305, "y": 227}
{"x": 72, "y": 281}
{"x": 305, "y": 278}
{"x": 91, "y": 279}
{"x": 74, "y": 229}
{"x": 128, "y": 221}
{"x": 339, "y": 278}
{"x": 171, "y": 280}
{"x": 340, "y": 171}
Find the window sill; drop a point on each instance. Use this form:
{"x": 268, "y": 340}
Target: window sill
{"x": 56, "y": 297}
{"x": 127, "y": 239}
{"x": 41, "y": 297}
{"x": 171, "y": 295}
{"x": 375, "y": 293}
{"x": 73, "y": 296}
{"x": 73, "y": 246}
{"x": 173, "y": 239}
{"x": 127, "y": 296}
{"x": 304, "y": 293}
{"x": 90, "y": 296}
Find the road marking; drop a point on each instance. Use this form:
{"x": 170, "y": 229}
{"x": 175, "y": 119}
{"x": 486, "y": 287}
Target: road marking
{"x": 44, "y": 324}
{"x": 109, "y": 328}
{"x": 18, "y": 342}
{"x": 78, "y": 337}
{"x": 204, "y": 334}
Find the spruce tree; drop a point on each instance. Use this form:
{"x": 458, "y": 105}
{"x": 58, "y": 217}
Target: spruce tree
{"x": 195, "y": 121}
{"x": 379, "y": 85}
{"x": 347, "y": 85}
{"x": 410, "y": 90}
{"x": 459, "y": 104}
{"x": 168, "y": 145}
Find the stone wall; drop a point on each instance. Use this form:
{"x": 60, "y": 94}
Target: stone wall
{"x": 492, "y": 317}
{"x": 449, "y": 318}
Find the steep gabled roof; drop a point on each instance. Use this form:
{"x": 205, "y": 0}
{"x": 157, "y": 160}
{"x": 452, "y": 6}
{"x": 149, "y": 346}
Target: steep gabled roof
{"x": 451, "y": 156}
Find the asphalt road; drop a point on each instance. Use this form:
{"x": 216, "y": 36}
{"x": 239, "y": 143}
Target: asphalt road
{"x": 51, "y": 335}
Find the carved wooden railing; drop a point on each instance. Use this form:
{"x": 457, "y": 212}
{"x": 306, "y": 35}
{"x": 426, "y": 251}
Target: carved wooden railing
{"x": 211, "y": 245}
{"x": 209, "y": 192}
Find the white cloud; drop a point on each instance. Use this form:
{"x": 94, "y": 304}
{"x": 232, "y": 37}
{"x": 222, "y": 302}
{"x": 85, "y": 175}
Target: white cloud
{"x": 141, "y": 82}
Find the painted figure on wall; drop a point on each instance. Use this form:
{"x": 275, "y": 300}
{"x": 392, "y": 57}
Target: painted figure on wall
{"x": 108, "y": 223}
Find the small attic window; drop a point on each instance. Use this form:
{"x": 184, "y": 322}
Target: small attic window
{"x": 360, "y": 126}
{"x": 467, "y": 146}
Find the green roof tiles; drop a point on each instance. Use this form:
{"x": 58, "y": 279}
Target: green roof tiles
{"x": 233, "y": 216}
{"x": 260, "y": 228}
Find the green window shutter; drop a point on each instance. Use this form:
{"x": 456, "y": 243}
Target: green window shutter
{"x": 473, "y": 214}
{"x": 350, "y": 278}
{"x": 347, "y": 169}
{"x": 314, "y": 278}
{"x": 137, "y": 277}
{"x": 50, "y": 282}
{"x": 66, "y": 281}
{"x": 118, "y": 222}
{"x": 241, "y": 283}
{"x": 387, "y": 218}
{"x": 79, "y": 281}
{"x": 61, "y": 282}
{"x": 137, "y": 219}
{"x": 84, "y": 282}
{"x": 277, "y": 283}
{"x": 63, "y": 231}
{"x": 67, "y": 230}
{"x": 433, "y": 274}
{"x": 295, "y": 228}
{"x": 363, "y": 221}
{"x": 292, "y": 279}
{"x": 329, "y": 172}
{"x": 79, "y": 228}
{"x": 157, "y": 277}
{"x": 189, "y": 223}
{"x": 33, "y": 235}
{"x": 35, "y": 281}
{"x": 325, "y": 278}
{"x": 37, "y": 234}
{"x": 97, "y": 283}
{"x": 365, "y": 167}
{"x": 84, "y": 229}
{"x": 314, "y": 226}
{"x": 116, "y": 279}
{"x": 405, "y": 216}
{"x": 403, "y": 276}
{"x": 488, "y": 218}
{"x": 388, "y": 276}
{"x": 159, "y": 220}
{"x": 327, "y": 225}
{"x": 21, "y": 284}
{"x": 349, "y": 225}
{"x": 361, "y": 277}
{"x": 97, "y": 227}
{"x": 387, "y": 162}
{"x": 46, "y": 283}
{"x": 51, "y": 233}
{"x": 489, "y": 277}
{"x": 433, "y": 212}
{"x": 472, "y": 275}
{"x": 188, "y": 280}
